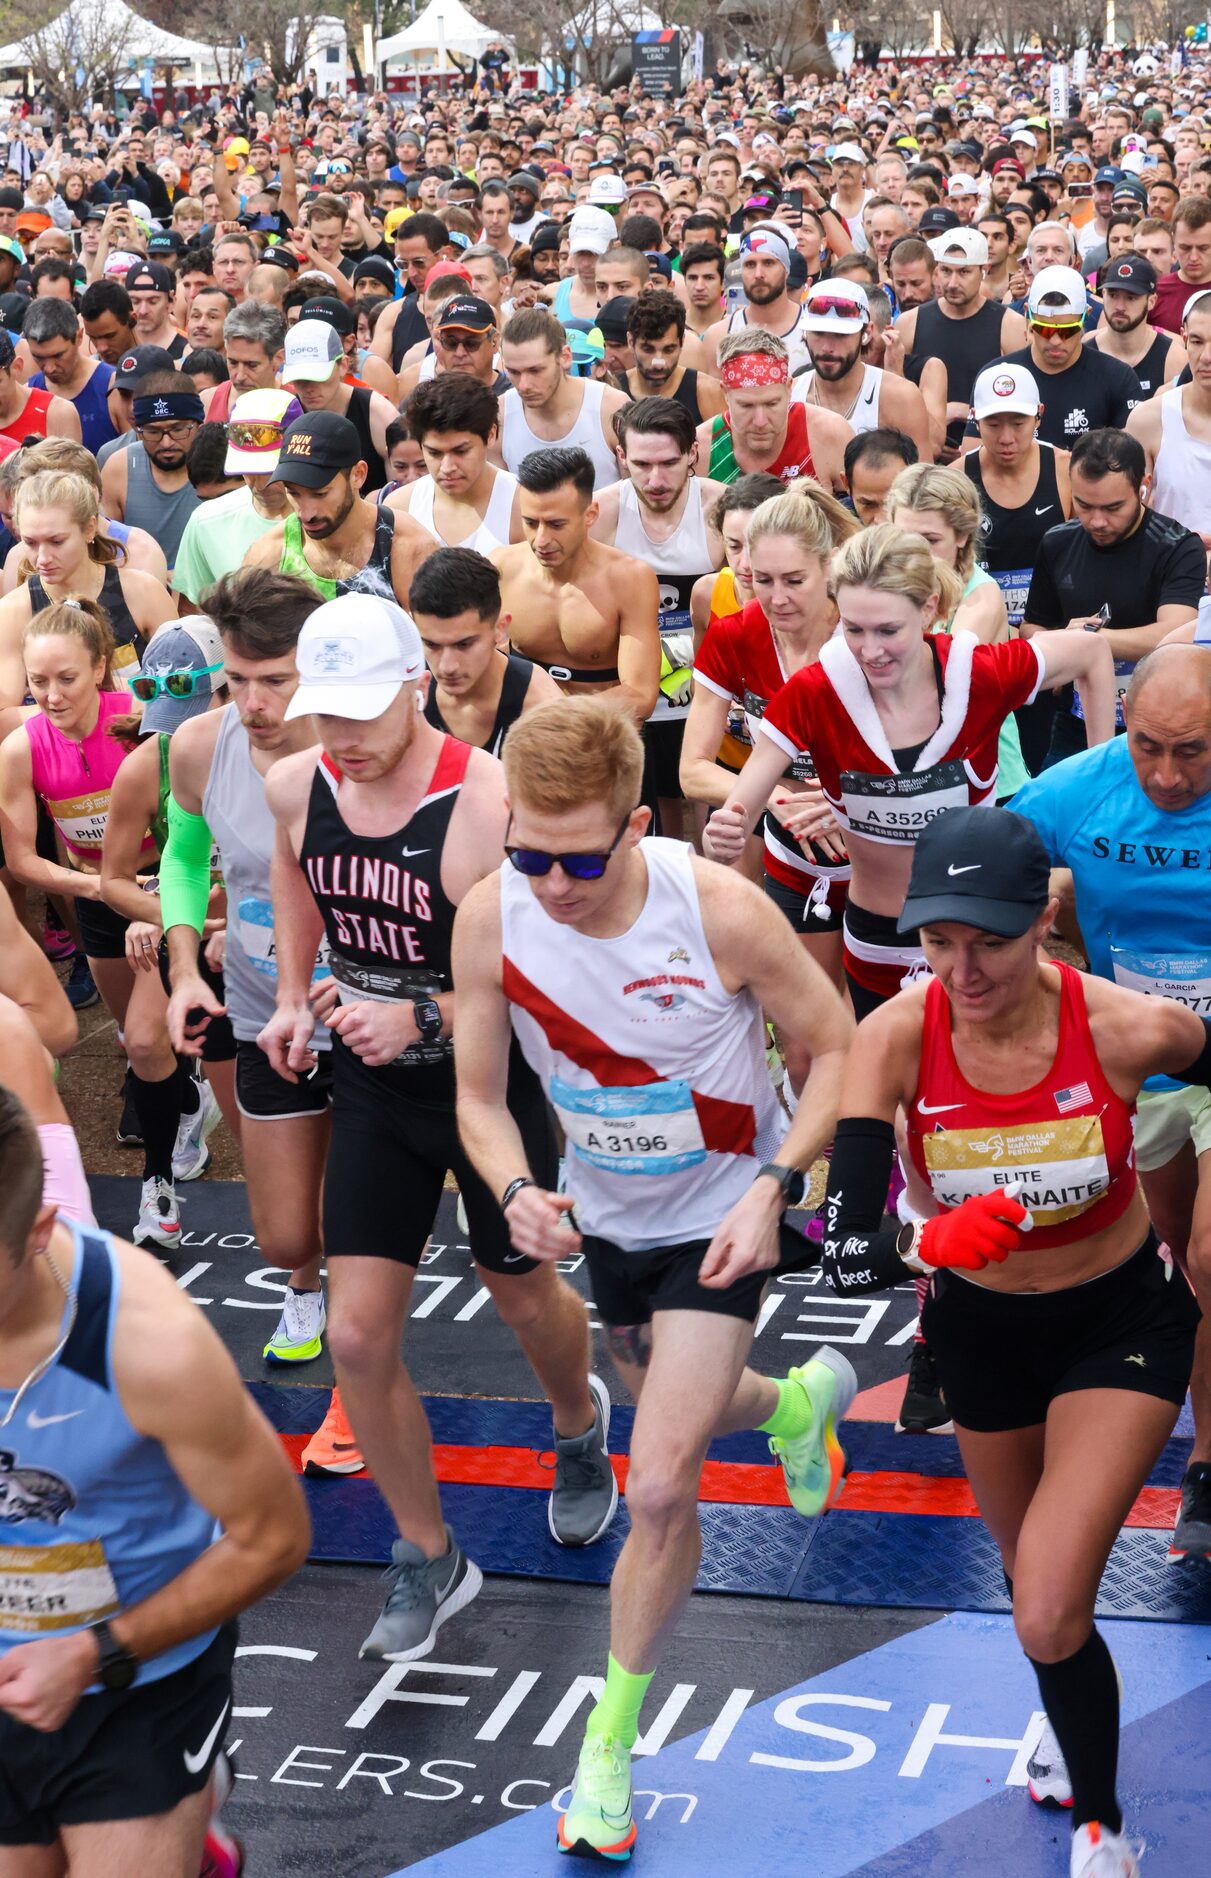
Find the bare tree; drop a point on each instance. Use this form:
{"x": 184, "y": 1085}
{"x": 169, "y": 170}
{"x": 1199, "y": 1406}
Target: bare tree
{"x": 280, "y": 31}
{"x": 75, "y": 54}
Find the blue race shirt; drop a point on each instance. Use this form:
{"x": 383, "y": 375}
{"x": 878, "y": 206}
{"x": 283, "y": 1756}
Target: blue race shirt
{"x": 1142, "y": 874}
{"x": 93, "y": 1517}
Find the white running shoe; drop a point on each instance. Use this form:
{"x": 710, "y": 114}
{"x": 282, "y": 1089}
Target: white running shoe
{"x": 1047, "y": 1771}
{"x": 190, "y": 1155}
{"x": 159, "y": 1222}
{"x": 1100, "y": 1853}
{"x": 297, "y": 1338}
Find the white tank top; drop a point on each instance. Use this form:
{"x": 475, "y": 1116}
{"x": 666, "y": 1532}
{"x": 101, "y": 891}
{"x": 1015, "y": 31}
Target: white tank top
{"x": 517, "y": 439}
{"x": 493, "y": 531}
{"x": 865, "y": 412}
{"x": 1181, "y": 474}
{"x": 677, "y": 564}
{"x": 661, "y": 1082}
{"x": 794, "y": 338}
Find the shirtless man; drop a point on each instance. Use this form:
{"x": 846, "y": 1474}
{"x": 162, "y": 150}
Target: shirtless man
{"x": 546, "y": 405}
{"x": 479, "y": 687}
{"x": 837, "y": 320}
{"x": 760, "y": 428}
{"x": 463, "y": 500}
{"x": 586, "y": 613}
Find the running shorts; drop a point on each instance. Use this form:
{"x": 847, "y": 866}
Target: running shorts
{"x": 803, "y": 911}
{"x": 879, "y": 960}
{"x": 630, "y": 1287}
{"x": 218, "y": 1038}
{"x": 102, "y": 931}
{"x": 261, "y": 1095}
{"x": 1165, "y": 1120}
{"x": 1003, "y": 1359}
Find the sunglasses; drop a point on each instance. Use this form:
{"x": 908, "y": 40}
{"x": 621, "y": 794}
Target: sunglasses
{"x": 1057, "y": 326}
{"x": 149, "y": 685}
{"x": 535, "y": 862}
{"x": 247, "y": 434}
{"x": 833, "y": 303}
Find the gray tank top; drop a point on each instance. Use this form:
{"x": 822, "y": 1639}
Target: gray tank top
{"x": 162, "y": 513}
{"x": 235, "y": 811}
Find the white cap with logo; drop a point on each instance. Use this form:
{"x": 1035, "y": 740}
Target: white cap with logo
{"x": 312, "y": 350}
{"x": 960, "y": 247}
{"x": 354, "y": 654}
{"x": 1002, "y": 388}
{"x": 591, "y": 231}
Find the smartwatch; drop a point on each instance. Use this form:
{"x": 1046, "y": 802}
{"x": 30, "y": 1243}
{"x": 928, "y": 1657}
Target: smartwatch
{"x": 116, "y": 1667}
{"x": 792, "y": 1183}
{"x": 428, "y": 1019}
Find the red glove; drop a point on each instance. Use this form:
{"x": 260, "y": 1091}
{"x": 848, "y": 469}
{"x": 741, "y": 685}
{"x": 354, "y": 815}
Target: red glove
{"x": 984, "y": 1229}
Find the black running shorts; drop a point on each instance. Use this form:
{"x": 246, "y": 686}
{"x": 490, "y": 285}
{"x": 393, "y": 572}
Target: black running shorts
{"x": 263, "y": 1096}
{"x": 119, "y": 1755}
{"x": 218, "y": 1038}
{"x": 1002, "y": 1359}
{"x": 387, "y": 1166}
{"x": 630, "y": 1287}
{"x": 102, "y": 931}
{"x": 804, "y": 919}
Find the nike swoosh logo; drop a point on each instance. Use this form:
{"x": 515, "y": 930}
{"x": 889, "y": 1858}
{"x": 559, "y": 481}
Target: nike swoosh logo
{"x": 973, "y": 867}
{"x": 34, "y": 1420}
{"x": 1046, "y": 508}
{"x": 194, "y": 1763}
{"x": 410, "y": 854}
{"x": 937, "y": 1108}
{"x": 515, "y": 1258}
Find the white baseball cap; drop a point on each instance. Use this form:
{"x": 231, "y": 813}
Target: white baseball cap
{"x": 1001, "y": 388}
{"x": 1062, "y": 283}
{"x": 312, "y": 349}
{"x": 354, "y": 654}
{"x": 849, "y": 153}
{"x": 607, "y": 188}
{"x": 822, "y": 307}
{"x": 960, "y": 247}
{"x": 591, "y": 231}
{"x": 962, "y": 186}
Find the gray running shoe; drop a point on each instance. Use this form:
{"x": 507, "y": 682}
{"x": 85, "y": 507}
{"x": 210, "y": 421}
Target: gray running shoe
{"x": 424, "y": 1593}
{"x": 1192, "y": 1534}
{"x": 584, "y": 1498}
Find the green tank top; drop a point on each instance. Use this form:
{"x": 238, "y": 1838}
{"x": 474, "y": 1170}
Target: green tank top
{"x": 723, "y": 467}
{"x": 159, "y": 824}
{"x": 294, "y": 561}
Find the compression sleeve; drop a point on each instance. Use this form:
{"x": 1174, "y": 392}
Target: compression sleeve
{"x": 859, "y": 1252}
{"x": 185, "y": 869}
{"x": 1200, "y": 1070}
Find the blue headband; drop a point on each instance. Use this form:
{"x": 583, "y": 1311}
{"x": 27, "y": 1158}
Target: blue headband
{"x": 164, "y": 407}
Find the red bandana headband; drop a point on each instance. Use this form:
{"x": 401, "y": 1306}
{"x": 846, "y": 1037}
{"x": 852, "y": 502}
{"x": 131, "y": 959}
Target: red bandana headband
{"x": 754, "y": 368}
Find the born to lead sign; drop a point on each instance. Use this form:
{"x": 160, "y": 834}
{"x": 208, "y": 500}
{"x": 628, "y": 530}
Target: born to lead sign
{"x": 656, "y": 60}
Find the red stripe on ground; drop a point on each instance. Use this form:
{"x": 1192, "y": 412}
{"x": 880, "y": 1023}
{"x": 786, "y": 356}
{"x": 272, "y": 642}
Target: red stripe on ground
{"x": 732, "y": 1483}
{"x": 880, "y": 1404}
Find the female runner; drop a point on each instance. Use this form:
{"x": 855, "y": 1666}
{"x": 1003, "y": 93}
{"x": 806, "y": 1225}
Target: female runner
{"x": 1064, "y": 1342}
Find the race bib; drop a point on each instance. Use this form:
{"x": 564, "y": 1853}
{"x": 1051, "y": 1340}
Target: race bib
{"x": 1060, "y": 1165}
{"x": 653, "y": 1130}
{"x": 1123, "y": 669}
{"x": 81, "y": 819}
{"x": 125, "y": 665}
{"x": 1014, "y": 583}
{"x": 44, "y": 1588}
{"x": 676, "y": 671}
{"x": 895, "y": 809}
{"x": 255, "y": 922}
{"x": 1187, "y": 980}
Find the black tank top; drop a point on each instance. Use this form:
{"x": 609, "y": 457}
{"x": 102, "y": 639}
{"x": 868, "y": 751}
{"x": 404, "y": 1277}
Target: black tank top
{"x": 358, "y": 414}
{"x": 111, "y": 597}
{"x": 1151, "y": 369}
{"x": 1009, "y": 538}
{"x": 686, "y": 393}
{"x": 965, "y": 347}
{"x": 516, "y": 683}
{"x": 386, "y": 916}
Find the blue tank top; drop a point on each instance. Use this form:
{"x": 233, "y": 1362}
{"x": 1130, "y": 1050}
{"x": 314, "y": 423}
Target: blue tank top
{"x": 92, "y": 1517}
{"x": 561, "y": 305}
{"x": 96, "y": 425}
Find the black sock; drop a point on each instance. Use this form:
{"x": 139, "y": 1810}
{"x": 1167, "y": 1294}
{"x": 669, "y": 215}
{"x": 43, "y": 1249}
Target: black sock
{"x": 1008, "y": 1583}
{"x": 1081, "y": 1698}
{"x": 158, "y": 1107}
{"x": 187, "y": 1087}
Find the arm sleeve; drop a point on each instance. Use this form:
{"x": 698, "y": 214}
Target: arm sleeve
{"x": 185, "y": 869}
{"x": 859, "y": 1252}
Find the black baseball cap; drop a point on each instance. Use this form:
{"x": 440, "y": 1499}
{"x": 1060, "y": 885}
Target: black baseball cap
{"x": 465, "y": 313}
{"x": 1130, "y": 275}
{"x": 986, "y": 868}
{"x": 140, "y": 360}
{"x": 614, "y": 318}
{"x": 315, "y": 447}
{"x": 938, "y": 221}
{"x": 149, "y": 274}
{"x": 332, "y": 311}
{"x": 168, "y": 241}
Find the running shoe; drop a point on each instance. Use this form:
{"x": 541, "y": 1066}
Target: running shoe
{"x": 297, "y": 1338}
{"x": 584, "y": 1498}
{"x": 460, "y": 1217}
{"x": 223, "y": 1853}
{"x": 159, "y": 1222}
{"x": 1099, "y": 1853}
{"x": 1047, "y": 1771}
{"x": 923, "y": 1412}
{"x": 332, "y": 1448}
{"x": 130, "y": 1129}
{"x": 57, "y": 942}
{"x": 598, "y": 1822}
{"x": 424, "y": 1593}
{"x": 80, "y": 988}
{"x": 813, "y": 1464}
{"x": 1192, "y": 1534}
{"x": 190, "y": 1155}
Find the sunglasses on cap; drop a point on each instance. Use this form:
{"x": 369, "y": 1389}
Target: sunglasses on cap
{"x": 535, "y": 862}
{"x": 149, "y": 685}
{"x": 1056, "y": 326}
{"x": 834, "y": 303}
{"x": 255, "y": 433}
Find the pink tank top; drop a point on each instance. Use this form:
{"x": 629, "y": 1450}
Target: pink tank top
{"x": 74, "y": 778}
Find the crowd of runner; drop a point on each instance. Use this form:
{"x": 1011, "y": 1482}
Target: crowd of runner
{"x": 523, "y": 621}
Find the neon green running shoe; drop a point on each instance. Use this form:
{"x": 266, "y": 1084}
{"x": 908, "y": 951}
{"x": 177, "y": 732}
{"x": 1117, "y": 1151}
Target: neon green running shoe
{"x": 813, "y": 1464}
{"x": 299, "y": 1335}
{"x": 598, "y": 1822}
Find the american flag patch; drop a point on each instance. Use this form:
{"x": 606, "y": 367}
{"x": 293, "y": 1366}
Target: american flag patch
{"x": 1066, "y": 1100}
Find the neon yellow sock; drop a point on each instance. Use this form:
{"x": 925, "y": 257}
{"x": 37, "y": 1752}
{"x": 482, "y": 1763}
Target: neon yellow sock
{"x": 793, "y": 1415}
{"x": 617, "y": 1712}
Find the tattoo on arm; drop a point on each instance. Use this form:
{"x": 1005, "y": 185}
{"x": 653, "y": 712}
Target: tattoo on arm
{"x": 630, "y": 1343}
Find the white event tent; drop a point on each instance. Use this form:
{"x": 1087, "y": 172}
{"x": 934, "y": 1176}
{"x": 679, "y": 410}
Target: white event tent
{"x": 445, "y": 26}
{"x": 145, "y": 41}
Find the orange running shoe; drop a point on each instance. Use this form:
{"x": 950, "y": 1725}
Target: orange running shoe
{"x": 332, "y": 1449}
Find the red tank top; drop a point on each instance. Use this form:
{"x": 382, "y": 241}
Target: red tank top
{"x": 32, "y": 420}
{"x": 795, "y": 457}
{"x": 1069, "y": 1141}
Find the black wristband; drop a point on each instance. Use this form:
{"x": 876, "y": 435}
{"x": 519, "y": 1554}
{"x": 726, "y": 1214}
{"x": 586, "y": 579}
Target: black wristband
{"x": 513, "y": 1189}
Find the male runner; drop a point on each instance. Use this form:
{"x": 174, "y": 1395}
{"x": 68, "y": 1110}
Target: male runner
{"x": 219, "y": 533}
{"x": 677, "y": 1168}
{"x": 656, "y": 329}
{"x": 465, "y": 341}
{"x": 837, "y": 324}
{"x": 760, "y": 428}
{"x": 584, "y": 612}
{"x": 332, "y": 537}
{"x": 464, "y": 500}
{"x": 546, "y": 406}
{"x": 381, "y": 834}
{"x": 1128, "y": 297}
{"x": 961, "y": 327}
{"x": 479, "y": 687}
{"x": 765, "y": 262}
{"x": 314, "y": 369}
{"x": 146, "y": 1503}
{"x": 1175, "y": 430}
{"x": 1129, "y": 819}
